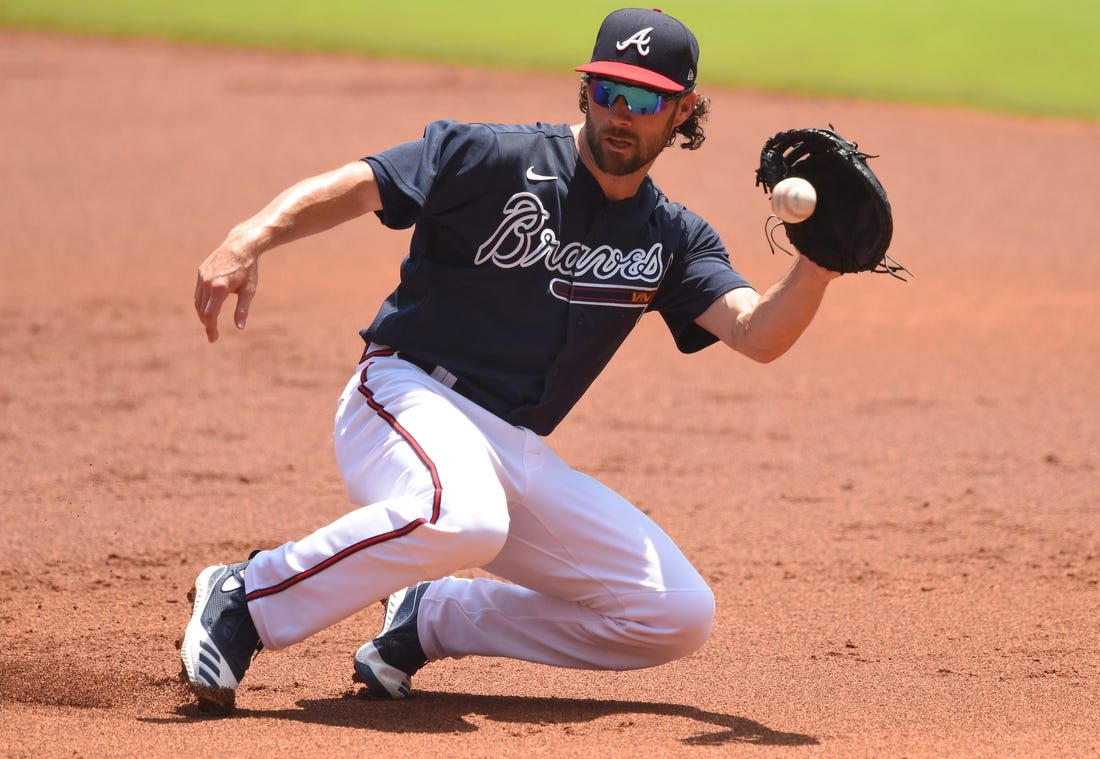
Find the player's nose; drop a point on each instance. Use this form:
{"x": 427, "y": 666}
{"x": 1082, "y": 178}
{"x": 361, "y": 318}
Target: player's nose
{"x": 619, "y": 109}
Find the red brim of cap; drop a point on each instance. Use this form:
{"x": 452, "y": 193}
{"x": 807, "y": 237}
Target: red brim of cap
{"x": 634, "y": 74}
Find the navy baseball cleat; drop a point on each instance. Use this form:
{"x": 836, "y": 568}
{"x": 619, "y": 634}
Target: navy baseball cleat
{"x": 220, "y": 639}
{"x": 387, "y": 663}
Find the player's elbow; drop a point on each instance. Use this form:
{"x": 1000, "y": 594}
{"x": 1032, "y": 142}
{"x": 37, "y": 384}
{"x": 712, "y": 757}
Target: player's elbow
{"x": 764, "y": 355}
{"x": 756, "y": 342}
{"x": 760, "y": 352}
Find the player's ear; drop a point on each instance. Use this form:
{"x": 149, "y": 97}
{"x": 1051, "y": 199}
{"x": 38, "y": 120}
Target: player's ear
{"x": 685, "y": 106}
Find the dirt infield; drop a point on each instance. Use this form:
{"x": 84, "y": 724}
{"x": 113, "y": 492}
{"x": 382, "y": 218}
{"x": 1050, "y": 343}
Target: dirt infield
{"x": 899, "y": 518}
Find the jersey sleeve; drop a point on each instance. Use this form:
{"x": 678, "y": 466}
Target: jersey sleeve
{"x": 429, "y": 173}
{"x": 700, "y": 274}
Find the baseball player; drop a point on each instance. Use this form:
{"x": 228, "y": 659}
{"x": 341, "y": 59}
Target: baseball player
{"x": 535, "y": 250}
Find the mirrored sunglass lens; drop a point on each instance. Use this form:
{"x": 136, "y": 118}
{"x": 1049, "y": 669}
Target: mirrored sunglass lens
{"x": 638, "y": 100}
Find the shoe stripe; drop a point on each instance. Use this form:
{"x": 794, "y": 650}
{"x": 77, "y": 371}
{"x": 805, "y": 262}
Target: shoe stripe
{"x": 212, "y": 665}
{"x": 210, "y": 679}
{"x": 437, "y": 496}
{"x": 210, "y": 650}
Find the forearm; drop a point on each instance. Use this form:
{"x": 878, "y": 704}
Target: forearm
{"x": 779, "y": 318}
{"x": 774, "y": 323}
{"x": 308, "y": 207}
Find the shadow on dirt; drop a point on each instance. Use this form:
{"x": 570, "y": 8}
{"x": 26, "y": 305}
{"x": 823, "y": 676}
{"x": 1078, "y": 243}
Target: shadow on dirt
{"x": 433, "y": 712}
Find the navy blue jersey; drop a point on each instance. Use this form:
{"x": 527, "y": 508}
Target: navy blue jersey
{"x": 522, "y": 279}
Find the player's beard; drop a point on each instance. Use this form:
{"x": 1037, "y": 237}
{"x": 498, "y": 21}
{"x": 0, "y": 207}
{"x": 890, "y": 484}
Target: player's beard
{"x": 623, "y": 164}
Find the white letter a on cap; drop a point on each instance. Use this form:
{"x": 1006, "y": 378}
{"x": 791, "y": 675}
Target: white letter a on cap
{"x": 641, "y": 39}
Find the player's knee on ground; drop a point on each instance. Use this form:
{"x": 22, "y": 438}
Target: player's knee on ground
{"x": 674, "y": 625}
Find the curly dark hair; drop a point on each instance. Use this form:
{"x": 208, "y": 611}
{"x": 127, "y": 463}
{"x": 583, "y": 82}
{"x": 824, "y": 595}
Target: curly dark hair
{"x": 691, "y": 130}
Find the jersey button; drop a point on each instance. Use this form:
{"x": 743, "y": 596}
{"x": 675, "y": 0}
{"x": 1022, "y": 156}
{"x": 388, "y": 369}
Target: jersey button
{"x": 580, "y": 321}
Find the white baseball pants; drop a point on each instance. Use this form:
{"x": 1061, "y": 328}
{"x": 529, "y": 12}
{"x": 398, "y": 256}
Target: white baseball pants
{"x": 443, "y": 485}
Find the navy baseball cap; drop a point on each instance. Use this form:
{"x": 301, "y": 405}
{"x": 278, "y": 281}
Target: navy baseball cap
{"x": 645, "y": 47}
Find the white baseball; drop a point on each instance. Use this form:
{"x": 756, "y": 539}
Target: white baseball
{"x": 794, "y": 200}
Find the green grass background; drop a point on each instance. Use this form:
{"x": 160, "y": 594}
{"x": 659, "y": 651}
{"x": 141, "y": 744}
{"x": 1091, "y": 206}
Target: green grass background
{"x": 1036, "y": 58}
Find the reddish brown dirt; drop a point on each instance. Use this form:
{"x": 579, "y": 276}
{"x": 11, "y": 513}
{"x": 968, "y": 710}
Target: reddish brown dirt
{"x": 899, "y": 518}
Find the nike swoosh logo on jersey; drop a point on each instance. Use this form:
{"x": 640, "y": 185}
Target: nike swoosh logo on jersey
{"x": 532, "y": 176}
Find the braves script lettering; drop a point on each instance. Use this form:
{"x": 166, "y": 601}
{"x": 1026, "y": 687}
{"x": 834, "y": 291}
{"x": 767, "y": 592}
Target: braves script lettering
{"x": 523, "y": 240}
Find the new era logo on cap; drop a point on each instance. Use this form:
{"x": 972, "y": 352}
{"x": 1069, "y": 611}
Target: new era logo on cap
{"x": 645, "y": 47}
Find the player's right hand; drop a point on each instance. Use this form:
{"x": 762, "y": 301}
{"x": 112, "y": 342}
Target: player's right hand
{"x": 231, "y": 269}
